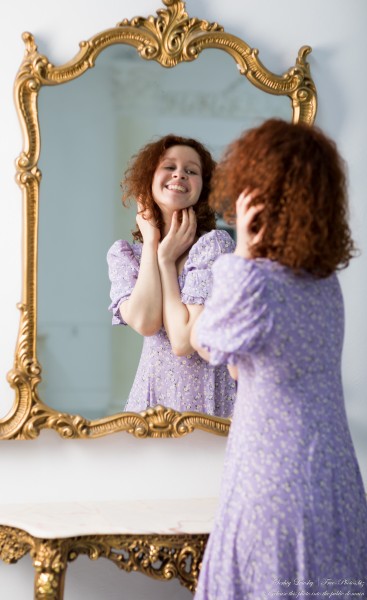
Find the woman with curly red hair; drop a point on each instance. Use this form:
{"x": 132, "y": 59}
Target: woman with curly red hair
{"x": 160, "y": 284}
{"x": 292, "y": 519}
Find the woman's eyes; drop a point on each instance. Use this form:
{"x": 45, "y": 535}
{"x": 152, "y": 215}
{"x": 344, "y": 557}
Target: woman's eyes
{"x": 173, "y": 168}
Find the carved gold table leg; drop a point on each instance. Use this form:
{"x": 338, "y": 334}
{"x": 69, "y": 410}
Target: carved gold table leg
{"x": 50, "y": 562}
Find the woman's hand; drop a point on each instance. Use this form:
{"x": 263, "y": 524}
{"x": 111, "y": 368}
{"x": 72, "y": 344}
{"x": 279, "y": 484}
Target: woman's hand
{"x": 246, "y": 214}
{"x": 147, "y": 225}
{"x": 178, "y": 318}
{"x": 180, "y": 237}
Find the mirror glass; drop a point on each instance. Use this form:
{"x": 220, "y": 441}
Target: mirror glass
{"x": 90, "y": 127}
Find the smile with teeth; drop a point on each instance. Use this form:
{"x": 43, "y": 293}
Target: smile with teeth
{"x": 176, "y": 187}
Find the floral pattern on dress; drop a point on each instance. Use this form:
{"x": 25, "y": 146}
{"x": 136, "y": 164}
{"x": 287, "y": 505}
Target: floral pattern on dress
{"x": 292, "y": 516}
{"x": 185, "y": 383}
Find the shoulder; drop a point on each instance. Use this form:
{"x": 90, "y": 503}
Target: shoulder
{"x": 217, "y": 237}
{"x": 211, "y": 245}
{"x": 278, "y": 281}
{"x": 121, "y": 250}
{"x": 252, "y": 273}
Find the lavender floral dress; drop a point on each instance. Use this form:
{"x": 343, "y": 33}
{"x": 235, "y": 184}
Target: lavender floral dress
{"x": 185, "y": 383}
{"x": 292, "y": 519}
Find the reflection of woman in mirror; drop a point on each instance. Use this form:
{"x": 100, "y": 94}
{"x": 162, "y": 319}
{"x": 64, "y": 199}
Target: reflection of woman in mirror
{"x": 292, "y": 520}
{"x": 160, "y": 284}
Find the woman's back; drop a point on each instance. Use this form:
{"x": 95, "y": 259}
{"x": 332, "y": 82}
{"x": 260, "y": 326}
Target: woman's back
{"x": 292, "y": 495}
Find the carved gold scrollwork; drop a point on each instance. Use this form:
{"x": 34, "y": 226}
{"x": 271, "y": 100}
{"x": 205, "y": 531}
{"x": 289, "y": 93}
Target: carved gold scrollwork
{"x": 155, "y": 422}
{"x": 168, "y": 38}
{"x": 162, "y": 557}
{"x": 166, "y": 422}
{"x": 172, "y": 34}
{"x": 14, "y": 544}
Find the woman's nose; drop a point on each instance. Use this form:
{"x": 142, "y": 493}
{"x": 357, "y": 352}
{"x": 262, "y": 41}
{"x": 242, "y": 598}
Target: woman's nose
{"x": 180, "y": 174}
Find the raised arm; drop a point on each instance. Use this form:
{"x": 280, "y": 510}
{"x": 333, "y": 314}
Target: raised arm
{"x": 246, "y": 238}
{"x": 178, "y": 318}
{"x": 143, "y": 310}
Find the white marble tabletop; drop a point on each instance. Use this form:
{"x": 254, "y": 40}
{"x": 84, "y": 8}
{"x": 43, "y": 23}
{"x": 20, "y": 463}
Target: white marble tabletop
{"x": 69, "y": 519}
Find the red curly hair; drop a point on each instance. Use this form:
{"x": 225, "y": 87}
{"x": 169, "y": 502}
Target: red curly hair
{"x": 300, "y": 178}
{"x": 138, "y": 178}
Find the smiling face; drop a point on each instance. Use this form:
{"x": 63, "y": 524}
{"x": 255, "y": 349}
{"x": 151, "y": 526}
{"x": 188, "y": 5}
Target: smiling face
{"x": 177, "y": 181}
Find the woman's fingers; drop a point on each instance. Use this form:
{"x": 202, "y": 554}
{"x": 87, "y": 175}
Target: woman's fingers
{"x": 174, "y": 223}
{"x": 180, "y": 236}
{"x": 246, "y": 218}
{"x": 253, "y": 211}
{"x": 185, "y": 219}
{"x": 188, "y": 221}
{"x": 192, "y": 216}
{"x": 140, "y": 205}
{"x": 258, "y": 236}
{"x": 245, "y": 198}
{"x": 192, "y": 224}
{"x": 185, "y": 227}
{"x": 142, "y": 213}
{"x": 191, "y": 221}
{"x": 247, "y": 227}
{"x": 246, "y": 212}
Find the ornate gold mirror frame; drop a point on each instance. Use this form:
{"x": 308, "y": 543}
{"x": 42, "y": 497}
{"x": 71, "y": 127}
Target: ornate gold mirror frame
{"x": 169, "y": 38}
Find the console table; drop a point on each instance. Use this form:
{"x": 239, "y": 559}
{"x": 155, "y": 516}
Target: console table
{"x": 164, "y": 539}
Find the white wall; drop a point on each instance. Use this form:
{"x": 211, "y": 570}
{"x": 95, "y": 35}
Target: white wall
{"x": 50, "y": 468}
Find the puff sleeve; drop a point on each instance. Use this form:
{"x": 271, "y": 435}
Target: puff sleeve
{"x": 203, "y": 254}
{"x": 123, "y": 269}
{"x": 237, "y": 318}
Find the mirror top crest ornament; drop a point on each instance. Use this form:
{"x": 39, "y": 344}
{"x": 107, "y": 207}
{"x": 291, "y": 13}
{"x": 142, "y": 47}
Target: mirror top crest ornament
{"x": 170, "y": 38}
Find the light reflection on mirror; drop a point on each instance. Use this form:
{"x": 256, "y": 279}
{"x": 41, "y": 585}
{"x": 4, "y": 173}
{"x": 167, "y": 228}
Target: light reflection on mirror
{"x": 90, "y": 127}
